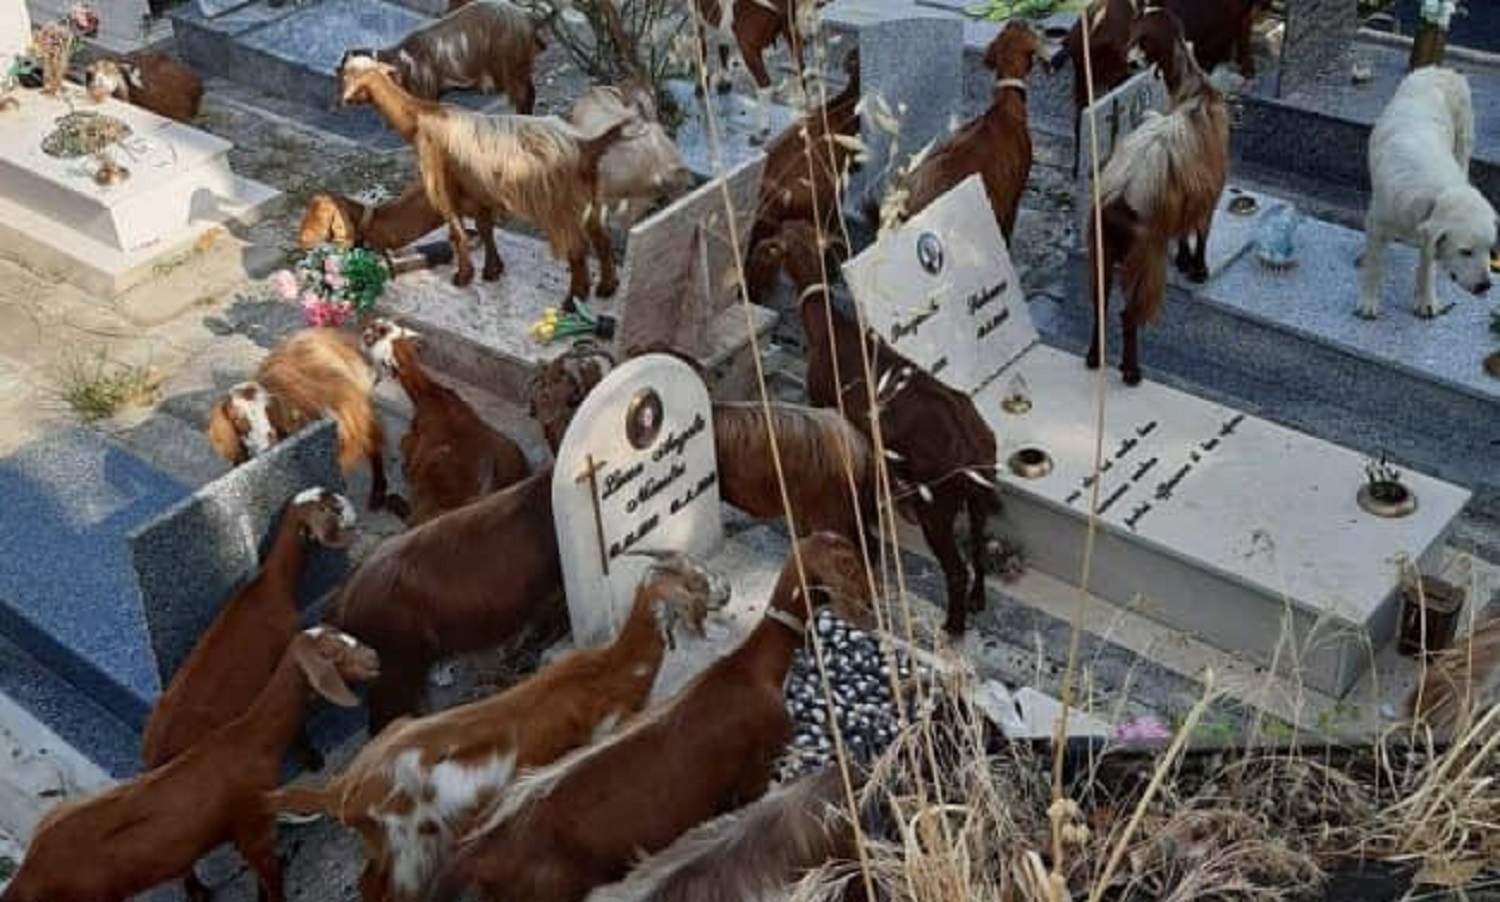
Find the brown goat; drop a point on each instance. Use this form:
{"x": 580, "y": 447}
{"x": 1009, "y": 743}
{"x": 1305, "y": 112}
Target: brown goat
{"x": 449, "y": 456}
{"x": 150, "y": 80}
{"x": 567, "y": 828}
{"x": 561, "y": 384}
{"x": 153, "y": 828}
{"x": 996, "y": 144}
{"x": 806, "y": 162}
{"x": 312, "y": 373}
{"x": 829, "y": 472}
{"x": 1162, "y": 183}
{"x": 940, "y": 452}
{"x": 345, "y": 222}
{"x": 754, "y": 853}
{"x": 753, "y": 25}
{"x": 1219, "y": 31}
{"x": 236, "y": 655}
{"x": 488, "y": 45}
{"x": 422, "y": 781}
{"x": 465, "y": 581}
{"x": 535, "y": 167}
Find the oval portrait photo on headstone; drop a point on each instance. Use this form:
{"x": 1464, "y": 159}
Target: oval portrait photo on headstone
{"x": 930, "y": 253}
{"x": 643, "y": 419}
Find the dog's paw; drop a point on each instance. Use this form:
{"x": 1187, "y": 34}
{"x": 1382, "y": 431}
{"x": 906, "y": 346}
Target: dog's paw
{"x": 1368, "y": 310}
{"x": 1431, "y": 310}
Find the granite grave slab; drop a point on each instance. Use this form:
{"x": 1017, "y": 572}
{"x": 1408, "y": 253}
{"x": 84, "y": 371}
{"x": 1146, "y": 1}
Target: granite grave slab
{"x": 1229, "y": 526}
{"x": 68, "y": 595}
{"x": 916, "y": 66}
{"x": 715, "y": 136}
{"x": 192, "y": 557}
{"x": 635, "y": 472}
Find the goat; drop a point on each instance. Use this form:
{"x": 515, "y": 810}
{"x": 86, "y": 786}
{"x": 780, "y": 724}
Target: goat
{"x": 751, "y": 854}
{"x": 828, "y": 469}
{"x": 489, "y": 45}
{"x": 753, "y": 25}
{"x": 1162, "y": 183}
{"x": 422, "y": 781}
{"x": 1219, "y": 31}
{"x": 805, "y": 164}
{"x": 536, "y": 167}
{"x": 560, "y": 385}
{"x": 464, "y": 581}
{"x": 449, "y": 456}
{"x": 940, "y": 452}
{"x": 311, "y": 373}
{"x": 236, "y": 655}
{"x": 153, "y": 828}
{"x": 996, "y": 143}
{"x": 644, "y": 165}
{"x": 579, "y": 823}
{"x": 150, "y": 80}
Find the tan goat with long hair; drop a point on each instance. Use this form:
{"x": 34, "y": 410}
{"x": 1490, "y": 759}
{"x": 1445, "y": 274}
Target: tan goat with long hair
{"x": 536, "y": 167}
{"x": 310, "y": 374}
{"x": 422, "y": 781}
{"x": 1161, "y": 184}
{"x": 564, "y": 829}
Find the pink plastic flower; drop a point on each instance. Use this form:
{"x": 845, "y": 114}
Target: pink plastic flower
{"x": 334, "y": 280}
{"x": 333, "y": 265}
{"x": 284, "y": 283}
{"x": 1146, "y": 727}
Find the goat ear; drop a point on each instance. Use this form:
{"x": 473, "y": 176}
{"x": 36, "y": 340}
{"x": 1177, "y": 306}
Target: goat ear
{"x": 323, "y": 677}
{"x": 222, "y": 435}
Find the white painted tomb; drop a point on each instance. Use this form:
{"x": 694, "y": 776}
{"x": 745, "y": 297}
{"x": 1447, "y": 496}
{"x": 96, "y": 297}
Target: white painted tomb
{"x": 15, "y": 32}
{"x": 1214, "y": 522}
{"x": 54, "y": 216}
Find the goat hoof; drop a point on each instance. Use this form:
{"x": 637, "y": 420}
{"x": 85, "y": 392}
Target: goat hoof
{"x": 1091, "y": 361}
{"x": 398, "y": 507}
{"x": 977, "y": 603}
{"x": 955, "y": 628}
{"x": 1197, "y": 273}
{"x": 492, "y": 275}
{"x": 463, "y": 278}
{"x": 1131, "y": 377}
{"x": 607, "y": 289}
{"x": 724, "y": 86}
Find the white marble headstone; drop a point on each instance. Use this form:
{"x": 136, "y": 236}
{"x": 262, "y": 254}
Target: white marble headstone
{"x": 662, "y": 495}
{"x": 1114, "y": 115}
{"x": 942, "y": 291}
{"x": 15, "y": 32}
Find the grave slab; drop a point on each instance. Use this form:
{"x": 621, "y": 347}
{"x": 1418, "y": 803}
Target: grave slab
{"x": 636, "y": 472}
{"x": 916, "y": 65}
{"x": 1228, "y": 526}
{"x": 192, "y": 557}
{"x": 67, "y": 592}
{"x": 482, "y": 332}
{"x": 105, "y": 239}
{"x": 709, "y": 152}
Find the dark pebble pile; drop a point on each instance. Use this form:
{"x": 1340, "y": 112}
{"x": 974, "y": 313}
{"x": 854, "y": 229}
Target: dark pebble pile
{"x": 859, "y": 674}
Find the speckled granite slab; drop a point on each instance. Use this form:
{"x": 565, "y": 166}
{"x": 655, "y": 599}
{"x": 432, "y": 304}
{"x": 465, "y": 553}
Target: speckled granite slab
{"x": 192, "y": 557}
{"x": 67, "y": 593}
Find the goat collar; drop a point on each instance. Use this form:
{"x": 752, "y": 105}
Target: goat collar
{"x": 786, "y": 620}
{"x": 1018, "y": 83}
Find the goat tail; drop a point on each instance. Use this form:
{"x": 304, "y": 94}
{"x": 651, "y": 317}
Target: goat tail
{"x": 591, "y": 149}
{"x": 1143, "y": 273}
{"x": 301, "y": 800}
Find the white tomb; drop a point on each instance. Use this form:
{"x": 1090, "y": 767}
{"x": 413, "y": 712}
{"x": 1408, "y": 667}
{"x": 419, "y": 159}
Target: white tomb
{"x": 54, "y": 216}
{"x": 1219, "y": 523}
{"x": 15, "y": 32}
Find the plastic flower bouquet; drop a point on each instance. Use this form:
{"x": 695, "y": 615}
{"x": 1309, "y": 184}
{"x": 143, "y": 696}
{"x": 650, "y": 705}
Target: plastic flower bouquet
{"x": 330, "y": 283}
{"x": 573, "y": 319}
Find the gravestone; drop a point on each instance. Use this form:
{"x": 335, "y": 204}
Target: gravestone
{"x": 1232, "y": 528}
{"x": 635, "y": 472}
{"x": 191, "y": 558}
{"x": 916, "y": 66}
{"x": 1109, "y": 120}
{"x": 15, "y": 32}
{"x": 683, "y": 269}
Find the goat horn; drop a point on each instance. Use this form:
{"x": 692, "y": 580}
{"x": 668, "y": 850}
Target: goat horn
{"x": 987, "y": 483}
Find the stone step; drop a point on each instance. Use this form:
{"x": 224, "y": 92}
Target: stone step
{"x": 291, "y": 52}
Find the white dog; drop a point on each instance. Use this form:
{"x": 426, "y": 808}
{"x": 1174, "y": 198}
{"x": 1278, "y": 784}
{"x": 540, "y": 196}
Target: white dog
{"x": 1419, "y": 173}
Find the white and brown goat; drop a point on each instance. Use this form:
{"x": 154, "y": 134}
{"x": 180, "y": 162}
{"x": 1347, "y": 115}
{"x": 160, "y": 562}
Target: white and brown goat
{"x": 311, "y": 374}
{"x": 153, "y": 828}
{"x": 644, "y": 165}
{"x": 150, "y": 80}
{"x": 420, "y": 783}
{"x": 581, "y": 823}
